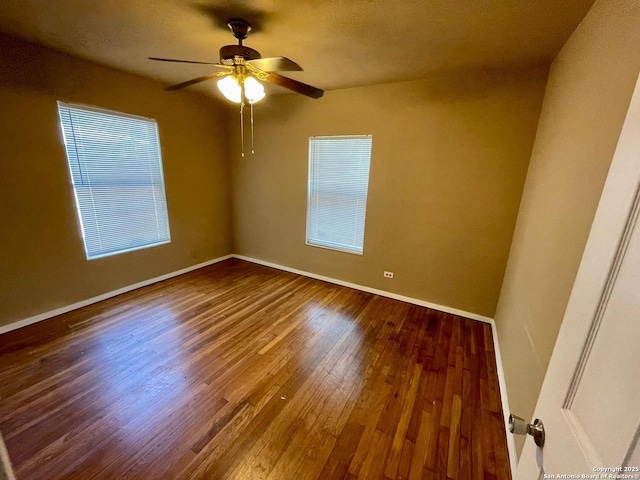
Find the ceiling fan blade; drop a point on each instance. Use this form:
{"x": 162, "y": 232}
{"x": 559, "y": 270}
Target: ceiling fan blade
{"x": 294, "y": 85}
{"x": 193, "y": 81}
{"x": 276, "y": 64}
{"x": 183, "y": 61}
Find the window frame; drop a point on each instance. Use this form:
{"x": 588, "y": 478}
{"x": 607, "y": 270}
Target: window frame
{"x": 91, "y": 108}
{"x": 336, "y": 248}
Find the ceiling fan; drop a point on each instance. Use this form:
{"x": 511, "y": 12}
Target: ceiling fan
{"x": 241, "y": 67}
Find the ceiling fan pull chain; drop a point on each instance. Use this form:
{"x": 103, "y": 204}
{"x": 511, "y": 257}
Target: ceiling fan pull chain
{"x": 252, "y": 150}
{"x": 242, "y": 115}
{"x": 242, "y": 126}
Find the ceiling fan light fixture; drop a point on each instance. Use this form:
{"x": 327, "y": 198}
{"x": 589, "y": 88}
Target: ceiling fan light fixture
{"x": 230, "y": 88}
{"x": 253, "y": 90}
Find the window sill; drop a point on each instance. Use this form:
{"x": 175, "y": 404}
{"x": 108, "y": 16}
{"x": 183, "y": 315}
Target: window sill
{"x": 335, "y": 249}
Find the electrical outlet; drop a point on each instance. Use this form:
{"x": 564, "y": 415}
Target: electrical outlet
{"x": 388, "y": 274}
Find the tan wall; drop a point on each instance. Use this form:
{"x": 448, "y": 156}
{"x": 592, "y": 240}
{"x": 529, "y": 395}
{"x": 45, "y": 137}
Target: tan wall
{"x": 589, "y": 89}
{"x": 43, "y": 264}
{"x": 448, "y": 165}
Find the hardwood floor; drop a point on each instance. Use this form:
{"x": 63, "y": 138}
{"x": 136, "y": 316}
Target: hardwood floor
{"x": 238, "y": 371}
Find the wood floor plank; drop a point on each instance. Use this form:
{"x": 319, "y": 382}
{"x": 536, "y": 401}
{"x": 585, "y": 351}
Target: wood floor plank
{"x": 453, "y": 454}
{"x": 242, "y": 371}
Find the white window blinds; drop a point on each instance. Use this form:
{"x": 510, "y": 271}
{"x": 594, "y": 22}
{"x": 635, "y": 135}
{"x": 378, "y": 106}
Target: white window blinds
{"x": 116, "y": 168}
{"x": 337, "y": 196}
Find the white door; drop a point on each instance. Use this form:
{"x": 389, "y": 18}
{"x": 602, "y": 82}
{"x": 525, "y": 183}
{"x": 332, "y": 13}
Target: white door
{"x": 590, "y": 400}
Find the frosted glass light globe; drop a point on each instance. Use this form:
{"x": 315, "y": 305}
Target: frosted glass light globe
{"x": 253, "y": 90}
{"x": 230, "y": 88}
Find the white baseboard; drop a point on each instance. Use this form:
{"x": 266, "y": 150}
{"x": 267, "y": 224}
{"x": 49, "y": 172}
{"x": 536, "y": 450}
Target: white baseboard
{"x": 511, "y": 443}
{"x": 375, "y": 291}
{"x": 104, "y": 296}
{"x": 473, "y": 316}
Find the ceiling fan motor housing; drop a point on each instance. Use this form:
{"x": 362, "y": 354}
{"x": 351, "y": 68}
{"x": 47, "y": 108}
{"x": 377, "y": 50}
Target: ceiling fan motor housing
{"x": 229, "y": 52}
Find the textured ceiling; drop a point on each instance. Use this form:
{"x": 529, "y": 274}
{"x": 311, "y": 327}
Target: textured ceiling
{"x": 338, "y": 43}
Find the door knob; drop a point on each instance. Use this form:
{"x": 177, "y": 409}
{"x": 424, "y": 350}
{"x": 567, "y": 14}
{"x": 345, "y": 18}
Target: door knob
{"x": 518, "y": 426}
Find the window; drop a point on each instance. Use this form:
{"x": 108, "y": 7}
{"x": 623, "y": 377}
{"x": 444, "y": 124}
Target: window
{"x": 116, "y": 169}
{"x": 337, "y": 197}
